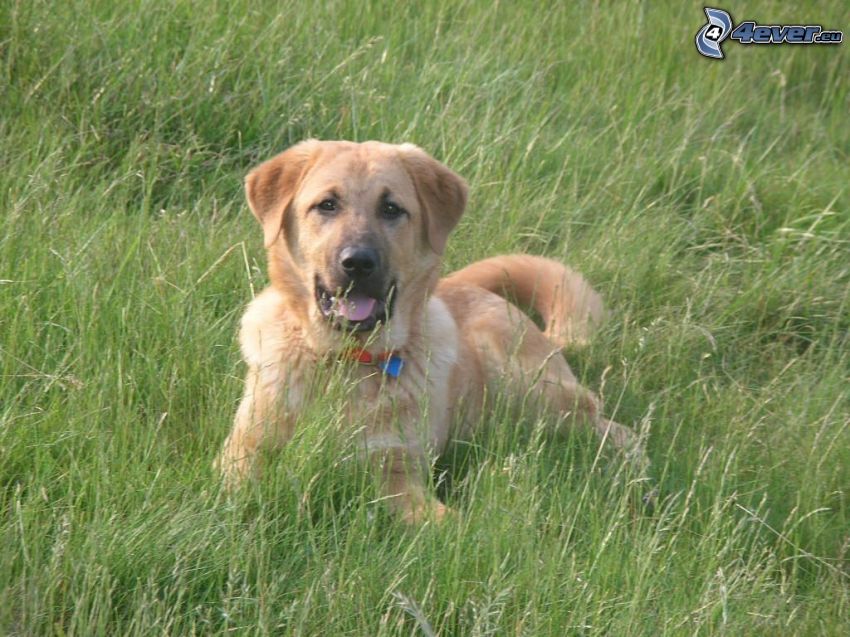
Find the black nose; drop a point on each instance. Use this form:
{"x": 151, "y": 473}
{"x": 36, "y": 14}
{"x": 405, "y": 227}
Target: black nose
{"x": 359, "y": 262}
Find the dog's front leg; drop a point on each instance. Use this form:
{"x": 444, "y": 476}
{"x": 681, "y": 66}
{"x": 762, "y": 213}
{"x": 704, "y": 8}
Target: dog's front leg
{"x": 403, "y": 477}
{"x": 261, "y": 420}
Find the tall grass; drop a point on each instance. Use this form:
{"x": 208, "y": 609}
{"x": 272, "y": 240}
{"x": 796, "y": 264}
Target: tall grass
{"x": 708, "y": 201}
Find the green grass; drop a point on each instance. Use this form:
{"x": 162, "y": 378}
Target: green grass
{"x": 708, "y": 201}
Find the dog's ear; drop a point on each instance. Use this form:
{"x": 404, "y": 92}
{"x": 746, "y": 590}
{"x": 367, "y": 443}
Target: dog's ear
{"x": 442, "y": 194}
{"x": 271, "y": 186}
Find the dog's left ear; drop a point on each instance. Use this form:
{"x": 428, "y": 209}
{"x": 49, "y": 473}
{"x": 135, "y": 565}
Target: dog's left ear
{"x": 271, "y": 186}
{"x": 442, "y": 194}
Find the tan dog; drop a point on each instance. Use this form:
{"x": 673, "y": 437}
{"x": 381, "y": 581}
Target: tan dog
{"x": 354, "y": 234}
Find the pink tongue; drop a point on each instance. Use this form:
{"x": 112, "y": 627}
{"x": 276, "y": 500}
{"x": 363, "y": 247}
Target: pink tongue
{"x": 356, "y": 307}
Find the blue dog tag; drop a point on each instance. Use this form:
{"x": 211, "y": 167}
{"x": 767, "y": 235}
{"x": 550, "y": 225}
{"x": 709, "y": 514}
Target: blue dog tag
{"x": 392, "y": 366}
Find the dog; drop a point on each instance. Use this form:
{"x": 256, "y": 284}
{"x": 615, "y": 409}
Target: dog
{"x": 354, "y": 234}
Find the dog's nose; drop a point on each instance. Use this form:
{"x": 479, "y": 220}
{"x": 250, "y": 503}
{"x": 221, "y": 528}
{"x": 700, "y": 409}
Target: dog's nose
{"x": 359, "y": 262}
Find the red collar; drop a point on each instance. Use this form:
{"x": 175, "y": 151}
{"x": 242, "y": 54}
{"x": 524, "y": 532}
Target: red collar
{"x": 388, "y": 362}
{"x": 363, "y": 356}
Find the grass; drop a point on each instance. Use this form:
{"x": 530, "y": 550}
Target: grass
{"x": 707, "y": 200}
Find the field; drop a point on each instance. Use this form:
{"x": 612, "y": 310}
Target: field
{"x": 708, "y": 201}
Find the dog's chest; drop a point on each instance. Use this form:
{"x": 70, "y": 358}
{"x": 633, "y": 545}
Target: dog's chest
{"x": 416, "y": 401}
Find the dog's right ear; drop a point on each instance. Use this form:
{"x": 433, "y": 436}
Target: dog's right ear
{"x": 271, "y": 186}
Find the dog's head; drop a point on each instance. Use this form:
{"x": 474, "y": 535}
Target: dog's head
{"x": 354, "y": 234}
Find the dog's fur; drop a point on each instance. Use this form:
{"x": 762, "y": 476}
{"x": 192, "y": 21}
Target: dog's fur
{"x": 457, "y": 335}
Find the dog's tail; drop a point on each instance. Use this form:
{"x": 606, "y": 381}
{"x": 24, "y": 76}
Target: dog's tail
{"x": 569, "y": 307}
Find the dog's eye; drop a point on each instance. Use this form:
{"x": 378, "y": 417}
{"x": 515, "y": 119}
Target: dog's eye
{"x": 327, "y": 205}
{"x": 389, "y": 210}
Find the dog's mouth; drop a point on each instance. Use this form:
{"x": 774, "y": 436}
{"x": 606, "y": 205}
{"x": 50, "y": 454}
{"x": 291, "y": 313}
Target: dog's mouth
{"x": 355, "y": 311}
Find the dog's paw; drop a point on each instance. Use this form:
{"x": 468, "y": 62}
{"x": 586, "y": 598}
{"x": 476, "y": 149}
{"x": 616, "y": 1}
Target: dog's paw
{"x": 430, "y": 511}
{"x": 233, "y": 470}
